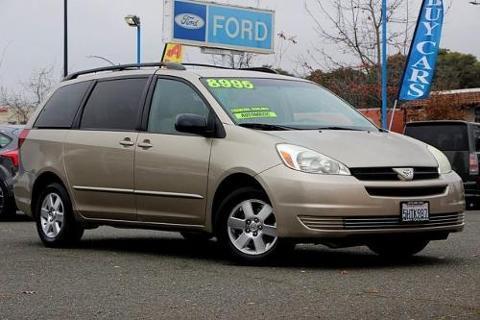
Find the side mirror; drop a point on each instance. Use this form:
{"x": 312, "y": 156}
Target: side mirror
{"x": 192, "y": 123}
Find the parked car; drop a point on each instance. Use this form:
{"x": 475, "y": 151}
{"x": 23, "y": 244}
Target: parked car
{"x": 8, "y": 167}
{"x": 260, "y": 160}
{"x": 460, "y": 141}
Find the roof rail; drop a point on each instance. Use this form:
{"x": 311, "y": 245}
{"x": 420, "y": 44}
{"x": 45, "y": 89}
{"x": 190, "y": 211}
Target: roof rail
{"x": 120, "y": 67}
{"x": 259, "y": 69}
{"x": 189, "y": 64}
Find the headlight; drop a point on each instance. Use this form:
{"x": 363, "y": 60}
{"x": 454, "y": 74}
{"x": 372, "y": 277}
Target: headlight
{"x": 306, "y": 160}
{"x": 442, "y": 160}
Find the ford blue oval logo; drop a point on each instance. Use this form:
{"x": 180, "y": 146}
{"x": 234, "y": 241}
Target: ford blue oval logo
{"x": 189, "y": 21}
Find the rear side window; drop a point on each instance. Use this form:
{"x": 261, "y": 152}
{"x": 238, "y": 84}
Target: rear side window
{"x": 443, "y": 137}
{"x": 61, "y": 108}
{"x": 114, "y": 105}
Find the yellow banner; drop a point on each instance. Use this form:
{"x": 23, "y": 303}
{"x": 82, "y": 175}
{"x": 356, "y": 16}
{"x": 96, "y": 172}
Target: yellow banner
{"x": 173, "y": 53}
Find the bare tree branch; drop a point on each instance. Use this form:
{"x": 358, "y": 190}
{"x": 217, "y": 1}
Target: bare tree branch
{"x": 24, "y": 101}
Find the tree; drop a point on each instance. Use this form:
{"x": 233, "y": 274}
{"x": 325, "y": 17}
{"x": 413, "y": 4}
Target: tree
{"x": 359, "y": 86}
{"x": 23, "y": 102}
{"x": 456, "y": 70}
{"x": 354, "y": 26}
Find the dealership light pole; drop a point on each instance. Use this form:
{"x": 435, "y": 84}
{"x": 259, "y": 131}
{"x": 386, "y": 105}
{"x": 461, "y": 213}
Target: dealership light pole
{"x": 384, "y": 65}
{"x": 134, "y": 21}
{"x": 65, "y": 39}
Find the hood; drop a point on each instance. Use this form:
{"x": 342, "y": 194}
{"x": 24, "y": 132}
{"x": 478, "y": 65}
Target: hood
{"x": 358, "y": 149}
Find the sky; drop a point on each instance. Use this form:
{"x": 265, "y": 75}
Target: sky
{"x": 31, "y": 33}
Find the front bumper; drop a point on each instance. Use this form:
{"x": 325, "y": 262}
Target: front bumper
{"x": 310, "y": 206}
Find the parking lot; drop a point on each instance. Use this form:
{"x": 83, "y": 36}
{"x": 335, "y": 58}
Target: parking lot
{"x": 152, "y": 275}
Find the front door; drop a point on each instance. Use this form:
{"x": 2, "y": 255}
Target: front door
{"x": 171, "y": 168}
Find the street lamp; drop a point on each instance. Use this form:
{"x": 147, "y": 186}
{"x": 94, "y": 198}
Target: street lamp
{"x": 65, "y": 38}
{"x": 475, "y": 3}
{"x": 134, "y": 21}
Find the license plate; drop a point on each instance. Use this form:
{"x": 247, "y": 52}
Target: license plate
{"x": 415, "y": 211}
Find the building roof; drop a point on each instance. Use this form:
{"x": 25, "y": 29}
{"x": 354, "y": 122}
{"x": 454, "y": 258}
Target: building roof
{"x": 463, "y": 97}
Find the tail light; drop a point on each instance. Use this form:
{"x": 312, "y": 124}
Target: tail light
{"x": 12, "y": 155}
{"x": 473, "y": 163}
{"x": 22, "y": 137}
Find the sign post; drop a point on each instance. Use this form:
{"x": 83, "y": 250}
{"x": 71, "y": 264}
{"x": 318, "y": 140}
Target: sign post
{"x": 210, "y": 25}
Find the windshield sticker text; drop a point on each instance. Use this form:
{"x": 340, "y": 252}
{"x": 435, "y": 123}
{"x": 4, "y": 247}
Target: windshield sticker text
{"x": 253, "y": 113}
{"x": 230, "y": 84}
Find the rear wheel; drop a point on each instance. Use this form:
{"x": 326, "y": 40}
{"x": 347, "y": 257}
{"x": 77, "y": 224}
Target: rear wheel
{"x": 56, "y": 224}
{"x": 398, "y": 248}
{"x": 247, "y": 226}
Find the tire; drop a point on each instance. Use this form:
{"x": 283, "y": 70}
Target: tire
{"x": 398, "y": 248}
{"x": 56, "y": 224}
{"x": 7, "y": 204}
{"x": 247, "y": 233}
{"x": 195, "y": 236}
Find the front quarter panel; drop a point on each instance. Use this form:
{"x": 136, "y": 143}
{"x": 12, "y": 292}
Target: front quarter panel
{"x": 242, "y": 151}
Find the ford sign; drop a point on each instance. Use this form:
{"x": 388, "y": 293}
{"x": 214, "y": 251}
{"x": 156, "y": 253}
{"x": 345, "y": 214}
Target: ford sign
{"x": 189, "y": 21}
{"x": 220, "y": 26}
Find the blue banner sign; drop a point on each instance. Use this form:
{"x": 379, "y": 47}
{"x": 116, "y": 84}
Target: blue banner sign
{"x": 223, "y": 26}
{"x": 422, "y": 59}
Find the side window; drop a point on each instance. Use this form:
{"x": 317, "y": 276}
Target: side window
{"x": 4, "y": 141}
{"x": 170, "y": 99}
{"x": 114, "y": 105}
{"x": 60, "y": 110}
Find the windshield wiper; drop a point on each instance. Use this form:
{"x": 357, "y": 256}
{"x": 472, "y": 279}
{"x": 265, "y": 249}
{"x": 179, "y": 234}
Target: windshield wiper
{"x": 265, "y": 126}
{"x": 340, "y": 128}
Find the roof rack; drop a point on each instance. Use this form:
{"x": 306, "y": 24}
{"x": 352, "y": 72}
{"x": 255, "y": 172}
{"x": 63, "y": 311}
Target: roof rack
{"x": 120, "y": 67}
{"x": 167, "y": 65}
{"x": 259, "y": 69}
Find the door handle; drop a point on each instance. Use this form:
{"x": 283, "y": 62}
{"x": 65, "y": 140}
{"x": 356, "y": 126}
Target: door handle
{"x": 127, "y": 142}
{"x": 145, "y": 144}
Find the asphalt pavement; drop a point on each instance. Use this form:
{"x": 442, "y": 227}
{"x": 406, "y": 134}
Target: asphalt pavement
{"x": 136, "y": 274}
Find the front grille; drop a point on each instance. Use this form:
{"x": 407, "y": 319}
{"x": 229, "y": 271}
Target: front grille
{"x": 387, "y": 174}
{"x": 378, "y": 223}
{"x": 405, "y": 191}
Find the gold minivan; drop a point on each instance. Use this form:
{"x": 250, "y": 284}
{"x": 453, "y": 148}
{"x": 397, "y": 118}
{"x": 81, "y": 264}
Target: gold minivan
{"x": 259, "y": 160}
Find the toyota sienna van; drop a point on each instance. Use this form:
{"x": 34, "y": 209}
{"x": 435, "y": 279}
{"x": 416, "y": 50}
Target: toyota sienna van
{"x": 259, "y": 160}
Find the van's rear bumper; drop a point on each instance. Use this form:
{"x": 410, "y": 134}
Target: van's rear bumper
{"x": 23, "y": 191}
{"x": 320, "y": 206}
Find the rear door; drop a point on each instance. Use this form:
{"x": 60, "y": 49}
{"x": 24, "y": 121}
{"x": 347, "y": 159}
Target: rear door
{"x": 450, "y": 138}
{"x": 171, "y": 168}
{"x": 99, "y": 154}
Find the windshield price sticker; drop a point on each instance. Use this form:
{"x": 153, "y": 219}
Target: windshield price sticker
{"x": 253, "y": 113}
{"x": 230, "y": 84}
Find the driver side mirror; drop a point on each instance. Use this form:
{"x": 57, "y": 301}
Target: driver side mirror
{"x": 193, "y": 123}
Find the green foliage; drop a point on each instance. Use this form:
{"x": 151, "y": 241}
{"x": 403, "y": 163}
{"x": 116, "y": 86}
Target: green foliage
{"x": 456, "y": 70}
{"x": 361, "y": 86}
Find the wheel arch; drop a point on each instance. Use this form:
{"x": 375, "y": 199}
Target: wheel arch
{"x": 230, "y": 183}
{"x": 45, "y": 178}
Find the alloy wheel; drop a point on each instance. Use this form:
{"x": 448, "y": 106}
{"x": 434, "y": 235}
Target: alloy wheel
{"x": 252, "y": 227}
{"x": 52, "y": 215}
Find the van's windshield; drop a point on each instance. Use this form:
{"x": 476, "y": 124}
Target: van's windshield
{"x": 272, "y": 104}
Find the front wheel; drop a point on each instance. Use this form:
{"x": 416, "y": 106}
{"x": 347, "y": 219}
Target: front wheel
{"x": 247, "y": 226}
{"x": 56, "y": 224}
{"x": 398, "y": 248}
